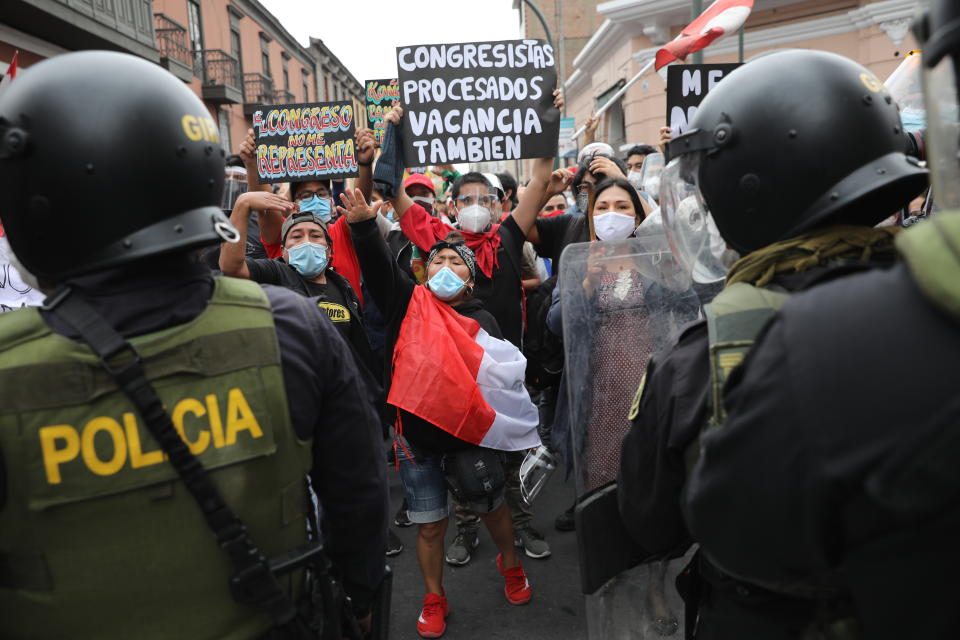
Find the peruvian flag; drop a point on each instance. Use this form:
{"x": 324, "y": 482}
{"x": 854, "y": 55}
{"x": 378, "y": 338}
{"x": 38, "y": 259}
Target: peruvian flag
{"x": 12, "y": 69}
{"x": 721, "y": 18}
{"x": 453, "y": 374}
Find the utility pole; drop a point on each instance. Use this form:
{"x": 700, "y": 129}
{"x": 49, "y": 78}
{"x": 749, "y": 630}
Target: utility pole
{"x": 696, "y": 10}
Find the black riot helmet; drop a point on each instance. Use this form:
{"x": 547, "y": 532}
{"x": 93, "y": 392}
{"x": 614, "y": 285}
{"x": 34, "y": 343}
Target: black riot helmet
{"x": 106, "y": 158}
{"x": 792, "y": 140}
{"x": 939, "y": 32}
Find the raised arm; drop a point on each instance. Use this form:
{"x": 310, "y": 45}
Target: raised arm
{"x": 248, "y": 153}
{"x": 525, "y": 214}
{"x": 366, "y": 148}
{"x": 233, "y": 254}
{"x": 390, "y": 287}
{"x": 400, "y": 200}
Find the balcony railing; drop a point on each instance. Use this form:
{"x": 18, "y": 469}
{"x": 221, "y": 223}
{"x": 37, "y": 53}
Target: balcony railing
{"x": 282, "y": 96}
{"x": 257, "y": 90}
{"x": 220, "y": 76}
{"x": 175, "y": 54}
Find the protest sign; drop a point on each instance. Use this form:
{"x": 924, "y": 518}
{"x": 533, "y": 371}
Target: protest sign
{"x": 687, "y": 86}
{"x": 567, "y": 147}
{"x": 305, "y": 141}
{"x": 480, "y": 101}
{"x": 380, "y": 97}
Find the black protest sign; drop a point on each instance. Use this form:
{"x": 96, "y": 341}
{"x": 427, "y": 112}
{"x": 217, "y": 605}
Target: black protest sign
{"x": 478, "y": 101}
{"x": 687, "y": 86}
{"x": 297, "y": 142}
{"x": 380, "y": 97}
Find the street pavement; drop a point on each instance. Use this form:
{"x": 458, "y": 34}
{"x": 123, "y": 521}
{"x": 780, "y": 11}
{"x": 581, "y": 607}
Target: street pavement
{"x": 478, "y": 608}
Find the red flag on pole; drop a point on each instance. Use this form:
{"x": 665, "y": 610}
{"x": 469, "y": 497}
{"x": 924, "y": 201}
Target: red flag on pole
{"x": 721, "y": 18}
{"x": 12, "y": 69}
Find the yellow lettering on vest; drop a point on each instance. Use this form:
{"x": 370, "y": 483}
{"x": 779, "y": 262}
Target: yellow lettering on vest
{"x": 216, "y": 424}
{"x": 89, "y": 451}
{"x": 240, "y": 417}
{"x": 138, "y": 458}
{"x": 189, "y": 405}
{"x": 54, "y": 457}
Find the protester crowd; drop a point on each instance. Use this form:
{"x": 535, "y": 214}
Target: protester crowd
{"x": 671, "y": 321}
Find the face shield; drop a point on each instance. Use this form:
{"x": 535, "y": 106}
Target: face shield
{"x": 943, "y": 131}
{"x": 905, "y": 85}
{"x": 234, "y": 184}
{"x": 650, "y": 174}
{"x": 687, "y": 223}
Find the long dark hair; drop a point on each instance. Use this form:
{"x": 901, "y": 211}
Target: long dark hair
{"x": 608, "y": 183}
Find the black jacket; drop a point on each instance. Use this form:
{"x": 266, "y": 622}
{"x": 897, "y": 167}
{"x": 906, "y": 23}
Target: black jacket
{"x": 838, "y": 462}
{"x": 672, "y": 414}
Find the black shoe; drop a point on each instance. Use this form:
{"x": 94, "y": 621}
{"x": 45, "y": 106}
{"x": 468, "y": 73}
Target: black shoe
{"x": 402, "y": 520}
{"x": 565, "y": 521}
{"x": 394, "y": 544}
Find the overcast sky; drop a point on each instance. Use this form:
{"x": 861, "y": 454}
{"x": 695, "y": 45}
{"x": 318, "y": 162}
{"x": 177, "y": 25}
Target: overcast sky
{"x": 365, "y": 35}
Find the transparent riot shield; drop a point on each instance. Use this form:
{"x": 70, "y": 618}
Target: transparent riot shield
{"x": 622, "y": 302}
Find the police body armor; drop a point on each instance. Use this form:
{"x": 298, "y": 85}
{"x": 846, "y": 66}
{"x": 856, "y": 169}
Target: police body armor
{"x": 139, "y": 560}
{"x": 735, "y": 319}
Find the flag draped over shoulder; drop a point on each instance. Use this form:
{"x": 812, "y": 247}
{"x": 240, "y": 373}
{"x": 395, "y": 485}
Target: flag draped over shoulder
{"x": 721, "y": 18}
{"x": 453, "y": 374}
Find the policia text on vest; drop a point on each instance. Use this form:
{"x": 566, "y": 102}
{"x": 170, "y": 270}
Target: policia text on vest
{"x": 202, "y": 423}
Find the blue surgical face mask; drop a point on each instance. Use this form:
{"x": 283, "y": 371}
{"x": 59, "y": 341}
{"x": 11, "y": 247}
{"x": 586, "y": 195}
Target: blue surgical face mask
{"x": 308, "y": 258}
{"x": 913, "y": 119}
{"x": 445, "y": 284}
{"x": 317, "y": 205}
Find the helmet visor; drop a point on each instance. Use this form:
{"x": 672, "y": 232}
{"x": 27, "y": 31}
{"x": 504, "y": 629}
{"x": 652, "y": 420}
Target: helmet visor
{"x": 943, "y": 132}
{"x": 650, "y": 174}
{"x": 905, "y": 85}
{"x": 689, "y": 227}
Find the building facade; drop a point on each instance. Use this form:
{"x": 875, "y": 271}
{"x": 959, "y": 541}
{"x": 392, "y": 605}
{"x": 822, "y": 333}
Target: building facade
{"x": 628, "y": 33}
{"x": 234, "y": 54}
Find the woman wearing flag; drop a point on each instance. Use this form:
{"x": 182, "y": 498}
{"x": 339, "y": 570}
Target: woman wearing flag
{"x": 457, "y": 388}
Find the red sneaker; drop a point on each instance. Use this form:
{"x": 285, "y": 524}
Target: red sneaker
{"x": 515, "y": 584}
{"x": 432, "y": 622}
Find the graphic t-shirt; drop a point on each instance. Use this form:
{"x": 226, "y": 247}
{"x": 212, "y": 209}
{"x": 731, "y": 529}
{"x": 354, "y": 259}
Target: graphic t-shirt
{"x": 331, "y": 300}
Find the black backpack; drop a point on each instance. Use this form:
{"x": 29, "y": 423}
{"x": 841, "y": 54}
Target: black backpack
{"x": 543, "y": 349}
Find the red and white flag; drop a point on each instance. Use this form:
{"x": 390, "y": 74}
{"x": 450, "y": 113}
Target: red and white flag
{"x": 721, "y": 18}
{"x": 453, "y": 374}
{"x": 12, "y": 69}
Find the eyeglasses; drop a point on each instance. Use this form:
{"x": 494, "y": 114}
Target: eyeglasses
{"x": 306, "y": 194}
{"x": 469, "y": 201}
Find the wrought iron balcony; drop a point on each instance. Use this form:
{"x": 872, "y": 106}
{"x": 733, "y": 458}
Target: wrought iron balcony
{"x": 257, "y": 91}
{"x": 219, "y": 73}
{"x": 282, "y": 96}
{"x": 117, "y": 25}
{"x": 175, "y": 54}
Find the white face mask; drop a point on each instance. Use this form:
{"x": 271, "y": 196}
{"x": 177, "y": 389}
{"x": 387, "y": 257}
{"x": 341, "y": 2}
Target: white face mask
{"x": 474, "y": 218}
{"x": 614, "y": 226}
{"x": 636, "y": 179}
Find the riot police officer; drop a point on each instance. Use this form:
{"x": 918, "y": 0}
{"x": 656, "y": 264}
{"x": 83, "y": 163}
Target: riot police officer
{"x": 838, "y": 461}
{"x": 157, "y": 424}
{"x": 793, "y": 184}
